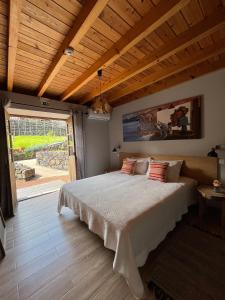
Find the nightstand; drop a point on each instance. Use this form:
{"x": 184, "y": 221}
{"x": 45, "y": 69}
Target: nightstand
{"x": 207, "y": 194}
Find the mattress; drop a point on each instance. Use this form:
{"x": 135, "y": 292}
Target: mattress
{"x": 130, "y": 213}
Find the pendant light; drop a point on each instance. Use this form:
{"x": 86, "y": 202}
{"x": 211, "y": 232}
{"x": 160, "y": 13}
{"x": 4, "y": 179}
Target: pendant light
{"x": 101, "y": 106}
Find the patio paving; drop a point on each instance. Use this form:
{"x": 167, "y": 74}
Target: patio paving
{"x": 36, "y": 181}
{"x": 43, "y": 172}
{"x": 46, "y": 180}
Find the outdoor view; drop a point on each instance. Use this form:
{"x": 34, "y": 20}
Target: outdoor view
{"x": 40, "y": 153}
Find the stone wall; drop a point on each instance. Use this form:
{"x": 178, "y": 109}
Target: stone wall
{"x": 23, "y": 155}
{"x": 31, "y": 126}
{"x": 30, "y": 152}
{"x": 53, "y": 159}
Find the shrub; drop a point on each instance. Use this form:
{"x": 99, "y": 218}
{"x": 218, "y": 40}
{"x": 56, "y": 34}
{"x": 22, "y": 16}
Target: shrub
{"x": 36, "y": 148}
{"x": 29, "y": 155}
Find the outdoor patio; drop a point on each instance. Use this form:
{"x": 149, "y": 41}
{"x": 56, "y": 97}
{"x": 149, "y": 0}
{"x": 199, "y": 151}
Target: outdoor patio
{"x": 46, "y": 180}
{"x": 41, "y": 171}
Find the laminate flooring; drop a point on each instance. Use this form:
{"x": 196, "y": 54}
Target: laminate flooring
{"x": 53, "y": 257}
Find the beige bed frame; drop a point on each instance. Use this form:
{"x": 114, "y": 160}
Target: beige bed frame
{"x": 203, "y": 169}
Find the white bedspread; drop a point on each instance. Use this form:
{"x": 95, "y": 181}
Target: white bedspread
{"x": 130, "y": 213}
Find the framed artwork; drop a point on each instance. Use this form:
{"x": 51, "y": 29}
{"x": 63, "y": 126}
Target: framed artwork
{"x": 2, "y": 235}
{"x": 172, "y": 121}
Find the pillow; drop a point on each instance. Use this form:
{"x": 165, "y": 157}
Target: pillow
{"x": 141, "y": 165}
{"x": 157, "y": 171}
{"x": 173, "y": 171}
{"x": 128, "y": 167}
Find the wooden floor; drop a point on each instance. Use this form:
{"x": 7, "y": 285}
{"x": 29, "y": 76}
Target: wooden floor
{"x": 56, "y": 257}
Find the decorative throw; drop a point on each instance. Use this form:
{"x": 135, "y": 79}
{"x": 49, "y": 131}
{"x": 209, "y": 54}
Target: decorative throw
{"x": 157, "y": 171}
{"x": 128, "y": 167}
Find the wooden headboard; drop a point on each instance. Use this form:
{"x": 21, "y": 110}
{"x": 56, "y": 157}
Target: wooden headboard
{"x": 203, "y": 169}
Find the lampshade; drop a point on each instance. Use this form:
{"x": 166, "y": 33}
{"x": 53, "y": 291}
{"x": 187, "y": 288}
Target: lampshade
{"x": 100, "y": 105}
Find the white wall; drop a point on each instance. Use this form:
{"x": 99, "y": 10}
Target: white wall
{"x": 97, "y": 147}
{"x": 211, "y": 86}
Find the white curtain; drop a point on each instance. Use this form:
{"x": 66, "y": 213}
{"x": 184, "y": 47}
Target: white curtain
{"x": 79, "y": 129}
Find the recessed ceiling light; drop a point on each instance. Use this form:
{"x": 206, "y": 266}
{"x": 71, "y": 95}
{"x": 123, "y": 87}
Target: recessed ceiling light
{"x": 69, "y": 51}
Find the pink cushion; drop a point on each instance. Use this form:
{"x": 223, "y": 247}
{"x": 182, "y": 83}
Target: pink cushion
{"x": 157, "y": 171}
{"x": 128, "y": 167}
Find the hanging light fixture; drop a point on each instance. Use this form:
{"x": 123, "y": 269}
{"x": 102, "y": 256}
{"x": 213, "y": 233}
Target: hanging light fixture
{"x": 101, "y": 106}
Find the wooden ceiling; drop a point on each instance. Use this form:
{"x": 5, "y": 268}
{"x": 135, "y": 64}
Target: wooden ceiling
{"x": 143, "y": 46}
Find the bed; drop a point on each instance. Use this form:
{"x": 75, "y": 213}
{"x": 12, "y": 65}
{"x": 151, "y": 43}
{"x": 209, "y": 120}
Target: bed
{"x": 130, "y": 213}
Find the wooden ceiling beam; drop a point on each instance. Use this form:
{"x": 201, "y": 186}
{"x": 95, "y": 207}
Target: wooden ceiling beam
{"x": 187, "y": 38}
{"x": 188, "y": 74}
{"x": 89, "y": 13}
{"x": 201, "y": 56}
{"x": 14, "y": 20}
{"x": 151, "y": 21}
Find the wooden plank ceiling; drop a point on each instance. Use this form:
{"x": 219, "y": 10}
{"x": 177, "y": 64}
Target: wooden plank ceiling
{"x": 143, "y": 46}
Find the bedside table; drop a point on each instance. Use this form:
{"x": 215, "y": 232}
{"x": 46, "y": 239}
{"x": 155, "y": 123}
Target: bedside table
{"x": 207, "y": 194}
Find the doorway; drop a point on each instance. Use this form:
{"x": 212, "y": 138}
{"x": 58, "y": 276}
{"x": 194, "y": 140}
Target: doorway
{"x": 42, "y": 150}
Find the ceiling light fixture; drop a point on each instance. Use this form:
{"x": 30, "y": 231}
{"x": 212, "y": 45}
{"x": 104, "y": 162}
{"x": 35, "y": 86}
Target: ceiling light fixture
{"x": 100, "y": 108}
{"x": 101, "y": 105}
{"x": 69, "y": 51}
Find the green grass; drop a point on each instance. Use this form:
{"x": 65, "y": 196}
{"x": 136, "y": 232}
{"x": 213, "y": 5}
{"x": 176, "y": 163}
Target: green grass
{"x": 29, "y": 141}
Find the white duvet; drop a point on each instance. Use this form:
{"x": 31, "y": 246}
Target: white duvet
{"x": 130, "y": 213}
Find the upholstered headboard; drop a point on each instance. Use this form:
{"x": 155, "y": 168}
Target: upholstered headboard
{"x": 203, "y": 169}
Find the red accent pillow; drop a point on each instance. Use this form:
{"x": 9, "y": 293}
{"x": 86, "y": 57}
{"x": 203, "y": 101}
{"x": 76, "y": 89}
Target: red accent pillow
{"x": 157, "y": 171}
{"x": 128, "y": 167}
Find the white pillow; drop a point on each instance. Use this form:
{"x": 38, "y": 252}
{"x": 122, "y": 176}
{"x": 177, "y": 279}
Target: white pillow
{"x": 141, "y": 166}
{"x": 173, "y": 171}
